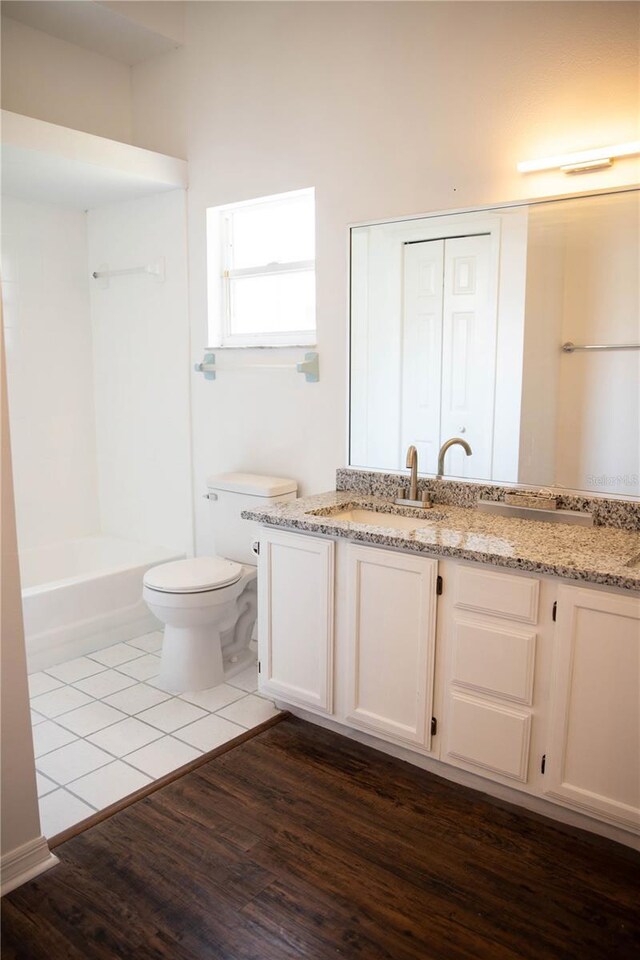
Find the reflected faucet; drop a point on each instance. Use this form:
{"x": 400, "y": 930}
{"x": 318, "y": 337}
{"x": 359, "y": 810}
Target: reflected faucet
{"x": 412, "y": 463}
{"x": 443, "y": 449}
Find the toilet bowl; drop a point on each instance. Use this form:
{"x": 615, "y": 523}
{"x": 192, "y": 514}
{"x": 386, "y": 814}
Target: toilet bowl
{"x": 208, "y": 605}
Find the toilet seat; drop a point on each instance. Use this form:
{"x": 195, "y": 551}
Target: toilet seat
{"x": 196, "y": 575}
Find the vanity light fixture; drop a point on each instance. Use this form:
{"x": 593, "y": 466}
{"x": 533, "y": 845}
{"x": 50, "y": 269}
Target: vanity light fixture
{"x": 583, "y": 161}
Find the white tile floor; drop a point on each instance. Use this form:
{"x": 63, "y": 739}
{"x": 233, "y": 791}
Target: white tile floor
{"x": 103, "y": 727}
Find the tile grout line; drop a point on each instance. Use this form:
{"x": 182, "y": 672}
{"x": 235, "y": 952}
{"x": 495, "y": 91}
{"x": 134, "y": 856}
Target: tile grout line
{"x": 124, "y": 759}
{"x": 162, "y": 733}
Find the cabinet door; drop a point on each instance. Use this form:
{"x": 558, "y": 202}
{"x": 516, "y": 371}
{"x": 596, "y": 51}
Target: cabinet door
{"x": 391, "y": 643}
{"x": 295, "y": 618}
{"x": 593, "y": 761}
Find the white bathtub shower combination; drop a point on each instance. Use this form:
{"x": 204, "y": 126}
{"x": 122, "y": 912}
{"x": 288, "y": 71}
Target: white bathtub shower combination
{"x": 81, "y": 595}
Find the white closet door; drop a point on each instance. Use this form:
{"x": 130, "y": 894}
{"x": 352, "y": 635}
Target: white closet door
{"x": 421, "y": 351}
{"x": 469, "y": 354}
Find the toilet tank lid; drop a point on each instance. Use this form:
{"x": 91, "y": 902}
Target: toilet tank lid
{"x": 252, "y": 484}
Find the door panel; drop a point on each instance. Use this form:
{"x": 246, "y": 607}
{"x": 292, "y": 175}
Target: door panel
{"x": 469, "y": 324}
{"x": 295, "y": 629}
{"x": 421, "y": 350}
{"x": 392, "y": 643}
{"x": 594, "y": 755}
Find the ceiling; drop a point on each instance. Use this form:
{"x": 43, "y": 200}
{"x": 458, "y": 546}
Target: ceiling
{"x": 93, "y": 25}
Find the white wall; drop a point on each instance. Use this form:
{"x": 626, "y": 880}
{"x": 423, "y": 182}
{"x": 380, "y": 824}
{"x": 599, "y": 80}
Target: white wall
{"x": 158, "y": 92}
{"x": 49, "y": 358}
{"x": 387, "y": 109}
{"x": 141, "y": 368}
{"x": 62, "y": 83}
{"x": 598, "y": 425}
{"x": 541, "y": 356}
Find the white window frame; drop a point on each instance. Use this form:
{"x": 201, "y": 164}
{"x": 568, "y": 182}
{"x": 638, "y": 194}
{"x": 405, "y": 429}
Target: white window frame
{"x": 220, "y": 273}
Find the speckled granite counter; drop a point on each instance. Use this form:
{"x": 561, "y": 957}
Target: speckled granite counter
{"x": 590, "y": 554}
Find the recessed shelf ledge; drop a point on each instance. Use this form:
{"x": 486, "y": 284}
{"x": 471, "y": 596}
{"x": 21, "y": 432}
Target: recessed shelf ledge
{"x": 46, "y": 163}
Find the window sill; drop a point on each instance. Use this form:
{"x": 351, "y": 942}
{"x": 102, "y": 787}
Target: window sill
{"x": 307, "y": 345}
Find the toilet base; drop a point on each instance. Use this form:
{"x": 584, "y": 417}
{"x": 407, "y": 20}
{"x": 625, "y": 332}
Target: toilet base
{"x": 198, "y": 670}
{"x": 232, "y": 667}
{"x": 191, "y": 659}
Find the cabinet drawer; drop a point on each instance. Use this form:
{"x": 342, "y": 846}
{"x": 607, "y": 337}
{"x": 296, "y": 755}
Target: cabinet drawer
{"x": 497, "y": 594}
{"x": 494, "y": 660}
{"x": 488, "y": 735}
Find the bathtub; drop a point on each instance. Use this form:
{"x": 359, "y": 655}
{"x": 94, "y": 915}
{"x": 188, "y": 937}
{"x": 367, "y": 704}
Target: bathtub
{"x": 81, "y": 595}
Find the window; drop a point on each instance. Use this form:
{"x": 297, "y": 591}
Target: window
{"x": 261, "y": 263}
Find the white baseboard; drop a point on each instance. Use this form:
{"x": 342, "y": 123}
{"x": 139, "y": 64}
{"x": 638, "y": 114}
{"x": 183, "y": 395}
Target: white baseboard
{"x": 25, "y": 863}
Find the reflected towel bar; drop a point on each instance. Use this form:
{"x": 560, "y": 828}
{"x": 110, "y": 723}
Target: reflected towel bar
{"x": 570, "y": 347}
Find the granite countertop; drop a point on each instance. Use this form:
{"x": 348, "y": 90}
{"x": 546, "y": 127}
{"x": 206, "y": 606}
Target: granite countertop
{"x": 589, "y": 554}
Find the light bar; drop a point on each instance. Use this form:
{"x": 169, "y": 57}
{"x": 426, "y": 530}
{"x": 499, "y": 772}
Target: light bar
{"x": 583, "y": 160}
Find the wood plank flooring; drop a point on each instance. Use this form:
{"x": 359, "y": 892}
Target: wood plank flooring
{"x": 302, "y": 845}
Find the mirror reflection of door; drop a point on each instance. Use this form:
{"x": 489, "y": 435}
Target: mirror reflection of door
{"x": 459, "y": 323}
{"x": 449, "y": 350}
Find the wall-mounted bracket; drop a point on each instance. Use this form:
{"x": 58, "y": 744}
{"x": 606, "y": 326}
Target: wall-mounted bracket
{"x": 310, "y": 366}
{"x": 208, "y": 366}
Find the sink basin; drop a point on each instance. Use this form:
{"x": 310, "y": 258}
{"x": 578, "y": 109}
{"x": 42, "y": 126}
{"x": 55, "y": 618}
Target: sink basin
{"x": 380, "y": 518}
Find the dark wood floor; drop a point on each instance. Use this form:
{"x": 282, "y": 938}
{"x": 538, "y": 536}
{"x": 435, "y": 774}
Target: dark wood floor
{"x": 302, "y": 844}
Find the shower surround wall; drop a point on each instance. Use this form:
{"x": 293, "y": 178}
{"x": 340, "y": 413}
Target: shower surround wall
{"x": 141, "y": 369}
{"x": 50, "y": 372}
{"x": 99, "y": 404}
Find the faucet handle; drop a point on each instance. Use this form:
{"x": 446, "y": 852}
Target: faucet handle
{"x": 402, "y": 493}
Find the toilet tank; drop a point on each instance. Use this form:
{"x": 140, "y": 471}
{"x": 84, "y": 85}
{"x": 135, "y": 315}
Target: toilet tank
{"x": 230, "y": 494}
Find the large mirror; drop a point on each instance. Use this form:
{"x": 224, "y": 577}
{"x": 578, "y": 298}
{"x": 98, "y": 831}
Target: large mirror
{"x": 514, "y": 328}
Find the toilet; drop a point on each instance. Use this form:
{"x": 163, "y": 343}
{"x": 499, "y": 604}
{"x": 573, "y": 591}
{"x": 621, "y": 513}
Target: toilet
{"x": 208, "y": 605}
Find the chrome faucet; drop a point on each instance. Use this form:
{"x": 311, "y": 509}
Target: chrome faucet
{"x": 443, "y": 449}
{"x": 412, "y": 464}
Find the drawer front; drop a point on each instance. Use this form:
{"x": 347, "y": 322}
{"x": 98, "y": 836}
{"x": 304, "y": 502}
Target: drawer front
{"x": 489, "y": 736}
{"x": 494, "y": 660}
{"x": 497, "y": 594}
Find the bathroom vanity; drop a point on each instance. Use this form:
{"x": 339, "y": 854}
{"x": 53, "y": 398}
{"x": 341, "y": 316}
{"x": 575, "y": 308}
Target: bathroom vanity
{"x": 498, "y": 651}
{"x": 466, "y": 643}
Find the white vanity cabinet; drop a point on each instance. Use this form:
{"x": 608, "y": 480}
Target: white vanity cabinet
{"x": 593, "y": 759}
{"x": 391, "y": 643}
{"x": 519, "y": 679}
{"x": 295, "y": 619}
